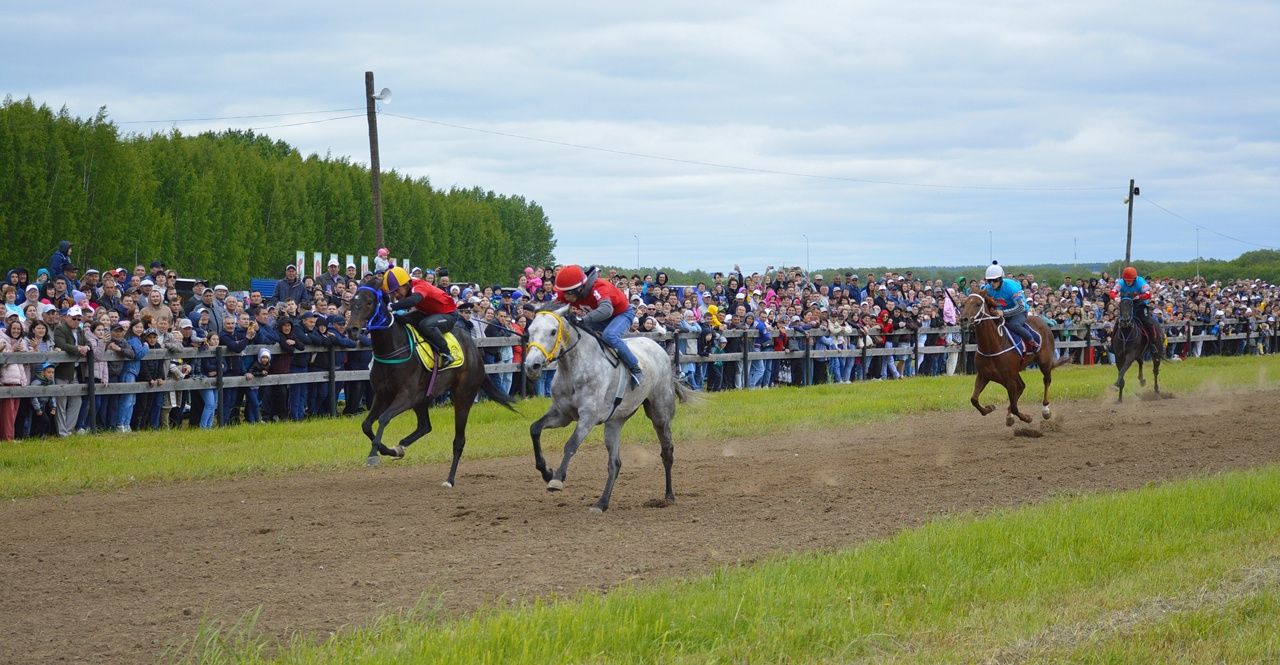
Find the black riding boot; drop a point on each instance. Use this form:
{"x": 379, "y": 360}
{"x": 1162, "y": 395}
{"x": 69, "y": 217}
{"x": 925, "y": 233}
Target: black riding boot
{"x": 436, "y": 339}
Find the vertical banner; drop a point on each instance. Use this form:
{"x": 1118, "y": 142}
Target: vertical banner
{"x": 351, "y": 261}
{"x": 316, "y": 259}
{"x": 300, "y": 262}
{"x": 404, "y": 263}
{"x": 364, "y": 266}
{"x": 333, "y": 258}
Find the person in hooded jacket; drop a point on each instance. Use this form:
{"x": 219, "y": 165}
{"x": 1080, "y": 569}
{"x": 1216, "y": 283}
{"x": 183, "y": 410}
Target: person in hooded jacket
{"x": 295, "y": 341}
{"x": 61, "y": 258}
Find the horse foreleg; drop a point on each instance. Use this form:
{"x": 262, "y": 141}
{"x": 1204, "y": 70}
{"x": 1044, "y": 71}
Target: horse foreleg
{"x": 1142, "y": 380}
{"x": 613, "y": 444}
{"x": 461, "y": 410}
{"x": 367, "y": 427}
{"x": 570, "y": 448}
{"x": 399, "y": 405}
{"x": 978, "y": 385}
{"x": 553, "y": 419}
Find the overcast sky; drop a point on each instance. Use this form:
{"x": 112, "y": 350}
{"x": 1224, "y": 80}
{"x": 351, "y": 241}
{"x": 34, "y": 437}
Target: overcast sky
{"x": 1024, "y": 120}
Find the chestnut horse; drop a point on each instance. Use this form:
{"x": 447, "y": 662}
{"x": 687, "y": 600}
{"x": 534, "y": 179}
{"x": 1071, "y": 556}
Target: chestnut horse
{"x": 998, "y": 359}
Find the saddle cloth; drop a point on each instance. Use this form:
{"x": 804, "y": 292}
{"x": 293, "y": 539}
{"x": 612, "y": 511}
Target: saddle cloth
{"x": 1017, "y": 342}
{"x": 426, "y": 355}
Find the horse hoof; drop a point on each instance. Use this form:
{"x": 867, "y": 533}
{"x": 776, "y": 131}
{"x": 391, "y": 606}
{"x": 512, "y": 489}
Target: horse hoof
{"x": 372, "y": 461}
{"x": 399, "y": 451}
{"x": 1142, "y": 384}
{"x": 594, "y": 510}
{"x": 1045, "y": 412}
{"x": 1008, "y": 421}
{"x": 446, "y": 484}
{"x": 555, "y": 485}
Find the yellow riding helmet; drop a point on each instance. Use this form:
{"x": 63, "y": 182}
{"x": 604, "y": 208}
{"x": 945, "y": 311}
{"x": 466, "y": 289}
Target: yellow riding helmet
{"x": 394, "y": 278}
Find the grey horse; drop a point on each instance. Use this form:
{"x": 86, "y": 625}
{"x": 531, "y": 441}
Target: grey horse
{"x": 592, "y": 387}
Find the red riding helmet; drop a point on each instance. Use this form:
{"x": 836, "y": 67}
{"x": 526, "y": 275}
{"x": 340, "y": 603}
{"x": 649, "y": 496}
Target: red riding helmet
{"x": 570, "y": 277}
{"x": 1130, "y": 273}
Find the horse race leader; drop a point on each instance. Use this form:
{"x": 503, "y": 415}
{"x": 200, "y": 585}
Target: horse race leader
{"x": 603, "y": 307}
{"x": 431, "y": 310}
{"x": 1013, "y": 304}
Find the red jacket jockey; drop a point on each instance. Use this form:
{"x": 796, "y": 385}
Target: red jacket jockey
{"x": 603, "y": 307}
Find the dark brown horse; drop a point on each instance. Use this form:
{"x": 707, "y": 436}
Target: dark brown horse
{"x": 998, "y": 359}
{"x": 1130, "y": 342}
{"x": 400, "y": 382}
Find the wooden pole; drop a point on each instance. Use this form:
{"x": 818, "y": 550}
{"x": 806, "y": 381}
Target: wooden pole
{"x": 371, "y": 105}
{"x": 1128, "y": 240}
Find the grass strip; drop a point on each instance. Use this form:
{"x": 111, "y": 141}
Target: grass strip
{"x": 113, "y": 461}
{"x": 1044, "y": 583}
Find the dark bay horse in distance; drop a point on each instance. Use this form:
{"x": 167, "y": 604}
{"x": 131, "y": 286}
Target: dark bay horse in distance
{"x": 1130, "y": 341}
{"x": 400, "y": 382}
{"x": 593, "y": 388}
{"x": 998, "y": 358}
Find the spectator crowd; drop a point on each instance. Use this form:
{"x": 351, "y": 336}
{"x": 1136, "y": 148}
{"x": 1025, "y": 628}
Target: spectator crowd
{"x": 128, "y": 321}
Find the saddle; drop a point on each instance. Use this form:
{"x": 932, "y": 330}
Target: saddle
{"x": 419, "y": 347}
{"x": 598, "y": 336}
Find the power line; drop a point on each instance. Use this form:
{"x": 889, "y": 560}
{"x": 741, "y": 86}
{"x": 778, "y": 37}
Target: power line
{"x": 308, "y": 122}
{"x": 733, "y": 167}
{"x": 232, "y": 117}
{"x": 1203, "y": 227}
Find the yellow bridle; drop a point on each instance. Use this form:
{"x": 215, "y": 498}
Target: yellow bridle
{"x": 560, "y": 335}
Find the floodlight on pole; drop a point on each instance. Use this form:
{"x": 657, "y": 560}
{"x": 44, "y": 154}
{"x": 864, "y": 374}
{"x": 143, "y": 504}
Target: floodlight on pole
{"x": 383, "y": 96}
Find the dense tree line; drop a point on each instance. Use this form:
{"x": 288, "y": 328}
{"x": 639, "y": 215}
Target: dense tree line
{"x": 233, "y": 205}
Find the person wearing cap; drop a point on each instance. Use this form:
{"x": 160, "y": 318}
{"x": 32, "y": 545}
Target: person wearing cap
{"x": 602, "y": 306}
{"x": 69, "y": 337}
{"x": 382, "y": 260}
{"x": 331, "y": 280}
{"x": 290, "y": 287}
{"x": 428, "y": 308}
{"x": 218, "y": 310}
{"x": 1012, "y": 302}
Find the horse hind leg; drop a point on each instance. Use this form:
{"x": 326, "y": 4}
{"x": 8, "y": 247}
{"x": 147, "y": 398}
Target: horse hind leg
{"x": 1015, "y": 391}
{"x": 978, "y": 385}
{"x": 613, "y": 444}
{"x": 1047, "y": 371}
{"x": 461, "y": 411}
{"x": 663, "y": 427}
{"x": 1155, "y": 371}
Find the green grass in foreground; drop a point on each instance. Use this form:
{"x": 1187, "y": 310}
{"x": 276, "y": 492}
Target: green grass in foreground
{"x": 1184, "y": 572}
{"x": 111, "y": 461}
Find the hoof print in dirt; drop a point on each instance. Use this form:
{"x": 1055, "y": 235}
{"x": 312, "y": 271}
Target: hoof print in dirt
{"x": 657, "y": 503}
{"x": 1028, "y": 432}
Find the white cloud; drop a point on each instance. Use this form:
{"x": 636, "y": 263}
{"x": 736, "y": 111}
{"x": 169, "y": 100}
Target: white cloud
{"x": 1181, "y": 96}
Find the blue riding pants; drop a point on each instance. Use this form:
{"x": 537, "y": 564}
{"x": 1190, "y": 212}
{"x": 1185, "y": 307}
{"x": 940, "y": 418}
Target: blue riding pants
{"x": 1017, "y": 324}
{"x": 612, "y": 332}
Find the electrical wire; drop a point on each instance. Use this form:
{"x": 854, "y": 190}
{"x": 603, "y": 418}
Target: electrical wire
{"x": 733, "y": 167}
{"x": 232, "y": 117}
{"x": 1203, "y": 227}
{"x": 308, "y": 122}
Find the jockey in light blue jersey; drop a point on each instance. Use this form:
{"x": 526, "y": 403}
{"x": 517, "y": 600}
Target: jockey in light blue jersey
{"x": 1013, "y": 304}
{"x": 1132, "y": 287}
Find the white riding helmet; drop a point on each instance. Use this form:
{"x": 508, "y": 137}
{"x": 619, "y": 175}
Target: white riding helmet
{"x": 994, "y": 271}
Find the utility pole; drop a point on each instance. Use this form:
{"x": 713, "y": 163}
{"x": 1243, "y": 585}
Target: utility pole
{"x": 1128, "y": 241}
{"x": 1197, "y": 252}
{"x": 991, "y": 247}
{"x": 371, "y": 104}
{"x": 637, "y": 251}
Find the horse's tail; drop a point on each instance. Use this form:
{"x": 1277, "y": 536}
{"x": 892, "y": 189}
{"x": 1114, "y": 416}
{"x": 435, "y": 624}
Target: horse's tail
{"x": 683, "y": 392}
{"x": 490, "y": 389}
{"x": 1066, "y": 358}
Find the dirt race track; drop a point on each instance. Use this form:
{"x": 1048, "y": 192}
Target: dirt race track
{"x": 117, "y": 577}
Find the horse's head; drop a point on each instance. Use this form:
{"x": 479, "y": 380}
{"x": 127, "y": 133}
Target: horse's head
{"x": 547, "y": 336}
{"x": 368, "y": 307}
{"x": 976, "y": 306}
{"x": 1124, "y": 314}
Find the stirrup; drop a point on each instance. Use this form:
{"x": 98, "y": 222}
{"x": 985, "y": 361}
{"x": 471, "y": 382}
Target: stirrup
{"x": 637, "y": 377}
{"x": 443, "y": 360}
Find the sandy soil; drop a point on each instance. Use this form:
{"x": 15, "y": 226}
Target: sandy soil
{"x": 118, "y": 577}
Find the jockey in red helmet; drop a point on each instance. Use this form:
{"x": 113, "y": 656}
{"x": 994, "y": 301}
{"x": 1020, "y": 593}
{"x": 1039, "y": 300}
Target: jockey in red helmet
{"x": 603, "y": 307}
{"x": 430, "y": 309}
{"x": 1132, "y": 287}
